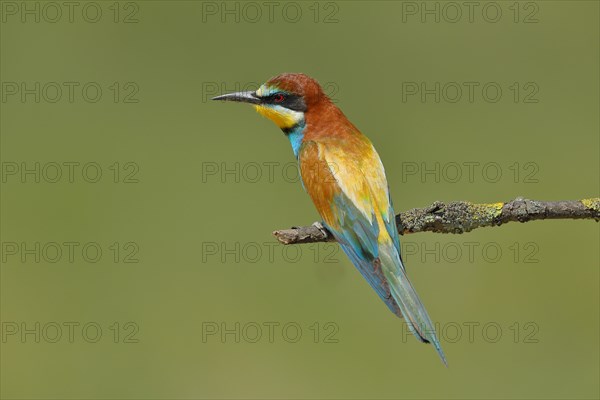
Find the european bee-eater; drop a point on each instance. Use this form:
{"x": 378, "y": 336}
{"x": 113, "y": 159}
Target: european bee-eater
{"x": 344, "y": 176}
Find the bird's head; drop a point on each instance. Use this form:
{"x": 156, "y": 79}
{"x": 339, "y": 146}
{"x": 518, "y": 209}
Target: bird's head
{"x": 284, "y": 99}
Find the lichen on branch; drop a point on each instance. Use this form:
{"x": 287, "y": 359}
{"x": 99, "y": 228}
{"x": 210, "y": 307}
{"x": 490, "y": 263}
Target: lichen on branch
{"x": 461, "y": 217}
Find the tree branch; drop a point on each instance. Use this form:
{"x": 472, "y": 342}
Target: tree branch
{"x": 461, "y": 217}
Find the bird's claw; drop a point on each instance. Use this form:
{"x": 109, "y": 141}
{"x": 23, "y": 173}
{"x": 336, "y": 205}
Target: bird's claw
{"x": 321, "y": 228}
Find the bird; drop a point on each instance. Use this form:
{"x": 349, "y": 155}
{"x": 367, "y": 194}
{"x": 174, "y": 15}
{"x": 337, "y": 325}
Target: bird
{"x": 343, "y": 174}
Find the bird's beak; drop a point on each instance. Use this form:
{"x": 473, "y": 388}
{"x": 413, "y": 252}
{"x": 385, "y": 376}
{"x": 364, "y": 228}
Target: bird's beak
{"x": 243, "y": 97}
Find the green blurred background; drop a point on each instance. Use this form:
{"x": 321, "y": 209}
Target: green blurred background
{"x": 202, "y": 239}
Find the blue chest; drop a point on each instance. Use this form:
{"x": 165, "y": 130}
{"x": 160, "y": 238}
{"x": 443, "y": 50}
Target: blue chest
{"x": 295, "y": 136}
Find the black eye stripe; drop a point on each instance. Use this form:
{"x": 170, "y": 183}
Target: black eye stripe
{"x": 290, "y": 101}
{"x": 271, "y": 98}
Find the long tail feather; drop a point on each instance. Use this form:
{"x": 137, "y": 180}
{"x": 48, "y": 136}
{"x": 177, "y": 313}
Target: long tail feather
{"x": 406, "y": 297}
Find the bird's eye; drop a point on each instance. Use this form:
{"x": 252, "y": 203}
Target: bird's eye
{"x": 278, "y": 98}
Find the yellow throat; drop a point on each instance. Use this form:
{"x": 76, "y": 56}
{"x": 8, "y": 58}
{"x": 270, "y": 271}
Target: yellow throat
{"x": 282, "y": 117}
